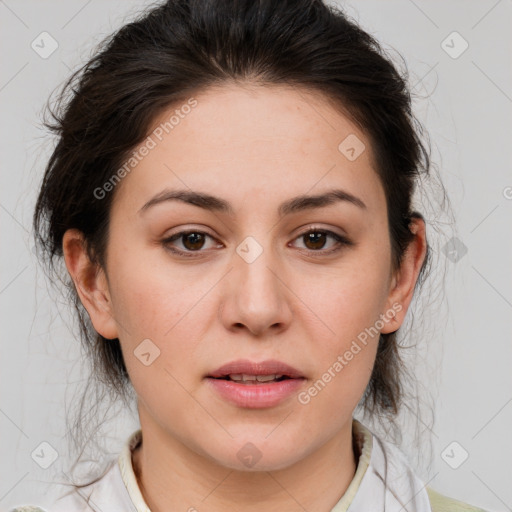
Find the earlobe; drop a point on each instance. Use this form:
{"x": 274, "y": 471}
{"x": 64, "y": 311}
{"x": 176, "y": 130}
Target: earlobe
{"x": 90, "y": 283}
{"x": 404, "y": 281}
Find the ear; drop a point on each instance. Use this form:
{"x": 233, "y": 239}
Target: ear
{"x": 404, "y": 280}
{"x": 90, "y": 282}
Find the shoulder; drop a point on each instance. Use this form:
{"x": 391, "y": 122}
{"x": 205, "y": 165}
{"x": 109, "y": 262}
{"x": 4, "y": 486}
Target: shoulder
{"x": 100, "y": 493}
{"x": 438, "y": 502}
{"x": 67, "y": 504}
{"x": 28, "y": 508}
{"x": 441, "y": 503}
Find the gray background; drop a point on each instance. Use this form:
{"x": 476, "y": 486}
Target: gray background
{"x": 465, "y": 351}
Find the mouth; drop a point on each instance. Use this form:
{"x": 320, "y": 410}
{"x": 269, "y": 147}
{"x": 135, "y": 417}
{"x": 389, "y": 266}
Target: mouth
{"x": 251, "y": 380}
{"x": 252, "y": 373}
{"x": 252, "y": 385}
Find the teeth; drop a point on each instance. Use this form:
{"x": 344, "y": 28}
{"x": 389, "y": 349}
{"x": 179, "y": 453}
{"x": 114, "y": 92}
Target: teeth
{"x": 243, "y": 377}
{"x": 265, "y": 378}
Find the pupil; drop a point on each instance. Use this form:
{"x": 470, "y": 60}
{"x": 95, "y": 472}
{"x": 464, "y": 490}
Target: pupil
{"x": 193, "y": 237}
{"x": 313, "y": 237}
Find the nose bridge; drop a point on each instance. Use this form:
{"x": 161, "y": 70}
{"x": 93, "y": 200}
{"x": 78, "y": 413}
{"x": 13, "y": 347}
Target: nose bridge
{"x": 257, "y": 299}
{"x": 254, "y": 263}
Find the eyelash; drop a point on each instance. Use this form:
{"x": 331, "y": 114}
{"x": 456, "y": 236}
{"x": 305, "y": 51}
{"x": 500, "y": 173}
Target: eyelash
{"x": 342, "y": 242}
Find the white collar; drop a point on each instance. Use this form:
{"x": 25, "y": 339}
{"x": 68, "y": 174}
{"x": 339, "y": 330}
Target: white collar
{"x": 389, "y": 483}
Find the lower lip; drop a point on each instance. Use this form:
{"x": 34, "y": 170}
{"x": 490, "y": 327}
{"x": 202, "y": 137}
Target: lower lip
{"x": 255, "y": 396}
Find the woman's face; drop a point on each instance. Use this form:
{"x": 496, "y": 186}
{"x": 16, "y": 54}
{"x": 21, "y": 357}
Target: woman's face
{"x": 260, "y": 277}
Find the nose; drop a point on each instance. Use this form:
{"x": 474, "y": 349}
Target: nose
{"x": 256, "y": 296}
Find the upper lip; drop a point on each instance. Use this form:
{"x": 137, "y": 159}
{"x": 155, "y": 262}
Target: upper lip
{"x": 267, "y": 367}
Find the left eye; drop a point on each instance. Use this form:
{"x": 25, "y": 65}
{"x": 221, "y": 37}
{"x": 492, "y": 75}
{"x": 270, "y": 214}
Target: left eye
{"x": 316, "y": 239}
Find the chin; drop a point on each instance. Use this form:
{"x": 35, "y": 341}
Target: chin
{"x": 248, "y": 457}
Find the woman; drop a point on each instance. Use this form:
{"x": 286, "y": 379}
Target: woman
{"x": 231, "y": 194}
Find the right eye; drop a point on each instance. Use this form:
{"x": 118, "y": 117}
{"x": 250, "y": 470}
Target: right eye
{"x": 192, "y": 241}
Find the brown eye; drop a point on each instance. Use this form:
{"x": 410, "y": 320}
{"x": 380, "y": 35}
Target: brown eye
{"x": 316, "y": 239}
{"x": 191, "y": 241}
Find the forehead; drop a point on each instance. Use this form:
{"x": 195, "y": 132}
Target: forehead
{"x": 272, "y": 141}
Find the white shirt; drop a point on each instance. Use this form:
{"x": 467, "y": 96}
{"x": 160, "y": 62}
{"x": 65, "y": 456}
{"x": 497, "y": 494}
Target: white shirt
{"x": 383, "y": 481}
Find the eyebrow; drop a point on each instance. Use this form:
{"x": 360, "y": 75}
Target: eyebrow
{"x": 293, "y": 205}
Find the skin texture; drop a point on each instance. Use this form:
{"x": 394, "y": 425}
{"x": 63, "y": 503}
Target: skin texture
{"x": 255, "y": 147}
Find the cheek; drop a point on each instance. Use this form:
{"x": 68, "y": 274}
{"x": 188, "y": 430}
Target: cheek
{"x": 156, "y": 303}
{"x": 347, "y": 306}
{"x": 150, "y": 297}
{"x": 345, "y": 356}
{"x": 349, "y": 300}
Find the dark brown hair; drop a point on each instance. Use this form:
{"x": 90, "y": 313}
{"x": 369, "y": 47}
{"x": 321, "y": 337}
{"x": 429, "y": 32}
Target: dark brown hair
{"x": 182, "y": 47}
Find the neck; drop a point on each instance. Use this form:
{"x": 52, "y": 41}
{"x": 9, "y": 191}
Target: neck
{"x": 173, "y": 477}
